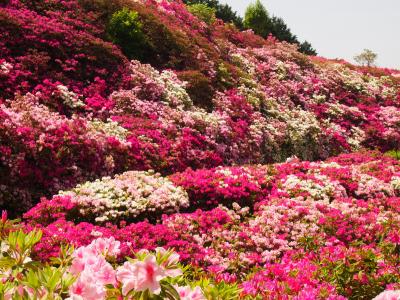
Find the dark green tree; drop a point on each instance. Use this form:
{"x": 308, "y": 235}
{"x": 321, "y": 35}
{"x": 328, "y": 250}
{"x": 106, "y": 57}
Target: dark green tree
{"x": 281, "y": 31}
{"x": 307, "y": 48}
{"x": 257, "y": 18}
{"x": 226, "y": 14}
{"x": 222, "y": 11}
{"x": 203, "y": 12}
{"x": 125, "y": 30}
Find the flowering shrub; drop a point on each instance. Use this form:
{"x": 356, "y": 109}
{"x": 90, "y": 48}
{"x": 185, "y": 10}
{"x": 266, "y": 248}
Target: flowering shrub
{"x": 34, "y": 135}
{"x": 291, "y": 278}
{"x": 223, "y": 185}
{"x": 37, "y": 47}
{"x": 266, "y": 223}
{"x": 128, "y": 196}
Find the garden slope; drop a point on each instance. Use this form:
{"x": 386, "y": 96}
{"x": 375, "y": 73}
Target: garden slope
{"x": 74, "y": 108}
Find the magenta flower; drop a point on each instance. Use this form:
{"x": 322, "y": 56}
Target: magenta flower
{"x": 3, "y": 216}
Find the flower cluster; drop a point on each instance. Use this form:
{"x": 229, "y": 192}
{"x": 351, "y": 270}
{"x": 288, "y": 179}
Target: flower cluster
{"x": 242, "y": 101}
{"x": 78, "y": 149}
{"x": 134, "y": 277}
{"x": 262, "y": 217}
{"x": 128, "y": 196}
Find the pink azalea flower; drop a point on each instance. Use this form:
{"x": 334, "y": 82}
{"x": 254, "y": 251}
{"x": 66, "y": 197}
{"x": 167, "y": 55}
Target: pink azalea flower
{"x": 102, "y": 271}
{"x": 82, "y": 256}
{"x": 388, "y": 295}
{"x": 171, "y": 263}
{"x": 106, "y": 247}
{"x": 141, "y": 276}
{"x": 186, "y": 293}
{"x": 87, "y": 287}
{"x": 87, "y": 261}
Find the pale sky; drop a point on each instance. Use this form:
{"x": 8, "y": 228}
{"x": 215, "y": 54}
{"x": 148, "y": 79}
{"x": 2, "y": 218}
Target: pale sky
{"x": 341, "y": 28}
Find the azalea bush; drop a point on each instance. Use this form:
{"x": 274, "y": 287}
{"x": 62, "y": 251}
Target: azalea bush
{"x": 128, "y": 196}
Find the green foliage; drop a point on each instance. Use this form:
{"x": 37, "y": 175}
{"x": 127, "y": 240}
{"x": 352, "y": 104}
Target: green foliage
{"x": 19, "y": 246}
{"x": 222, "y": 11}
{"x": 219, "y": 291}
{"x": 7, "y": 225}
{"x": 209, "y": 3}
{"x": 256, "y": 18}
{"x": 356, "y": 276}
{"x": 307, "y": 48}
{"x": 166, "y": 46}
{"x": 203, "y": 12}
{"x": 226, "y": 14}
{"x": 281, "y": 31}
{"x": 125, "y": 30}
{"x": 224, "y": 76}
{"x": 199, "y": 88}
{"x": 395, "y": 153}
{"x": 366, "y": 58}
{"x": 50, "y": 278}
{"x": 194, "y": 276}
{"x": 19, "y": 272}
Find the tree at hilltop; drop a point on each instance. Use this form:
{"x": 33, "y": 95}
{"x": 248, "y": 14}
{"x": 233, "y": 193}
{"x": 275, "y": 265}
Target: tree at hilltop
{"x": 366, "y": 58}
{"x": 258, "y": 19}
{"x": 222, "y": 11}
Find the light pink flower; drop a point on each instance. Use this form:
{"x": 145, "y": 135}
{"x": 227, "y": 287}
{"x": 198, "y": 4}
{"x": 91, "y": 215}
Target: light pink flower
{"x": 87, "y": 287}
{"x": 171, "y": 263}
{"x": 186, "y": 293}
{"x": 82, "y": 256}
{"x": 106, "y": 247}
{"x": 388, "y": 295}
{"x": 102, "y": 271}
{"x": 141, "y": 276}
{"x": 88, "y": 261}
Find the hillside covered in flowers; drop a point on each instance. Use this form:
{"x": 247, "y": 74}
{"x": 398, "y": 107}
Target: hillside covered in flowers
{"x": 151, "y": 153}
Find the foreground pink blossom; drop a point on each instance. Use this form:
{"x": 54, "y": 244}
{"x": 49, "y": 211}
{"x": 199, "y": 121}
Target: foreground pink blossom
{"x": 187, "y": 293}
{"x": 141, "y": 275}
{"x": 170, "y": 264}
{"x": 388, "y": 295}
{"x": 106, "y": 247}
{"x": 87, "y": 287}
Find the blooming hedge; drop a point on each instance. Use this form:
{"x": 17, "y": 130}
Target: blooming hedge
{"x": 252, "y": 222}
